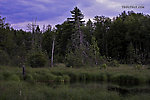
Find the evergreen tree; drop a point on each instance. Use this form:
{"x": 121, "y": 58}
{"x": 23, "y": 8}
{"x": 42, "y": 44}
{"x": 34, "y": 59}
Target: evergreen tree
{"x": 130, "y": 54}
{"x": 95, "y": 50}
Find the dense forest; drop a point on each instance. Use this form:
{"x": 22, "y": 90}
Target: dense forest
{"x": 125, "y": 39}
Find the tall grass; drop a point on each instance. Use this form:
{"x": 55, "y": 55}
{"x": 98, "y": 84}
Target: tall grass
{"x": 125, "y": 75}
{"x": 41, "y": 91}
{"x": 40, "y": 83}
{"x": 25, "y": 91}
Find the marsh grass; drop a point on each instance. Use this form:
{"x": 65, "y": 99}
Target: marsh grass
{"x": 40, "y": 91}
{"x": 59, "y": 83}
{"x": 77, "y": 91}
{"x": 123, "y": 75}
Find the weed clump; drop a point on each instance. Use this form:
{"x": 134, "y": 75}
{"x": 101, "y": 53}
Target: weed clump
{"x": 138, "y": 67}
{"x": 125, "y": 79}
{"x": 13, "y": 77}
{"x": 104, "y": 66}
{"x": 114, "y": 63}
{"x": 66, "y": 78}
{"x": 37, "y": 59}
{"x": 29, "y": 78}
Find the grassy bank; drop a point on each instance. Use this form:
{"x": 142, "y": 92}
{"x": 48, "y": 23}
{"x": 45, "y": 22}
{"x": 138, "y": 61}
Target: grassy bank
{"x": 40, "y": 91}
{"x": 123, "y": 75}
{"x": 41, "y": 83}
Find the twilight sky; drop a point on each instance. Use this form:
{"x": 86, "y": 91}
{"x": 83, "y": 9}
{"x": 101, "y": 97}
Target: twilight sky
{"x": 21, "y": 12}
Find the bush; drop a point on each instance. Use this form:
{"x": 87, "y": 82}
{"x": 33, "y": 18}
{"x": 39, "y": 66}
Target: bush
{"x": 43, "y": 76}
{"x": 74, "y": 59}
{"x": 1, "y": 76}
{"x": 138, "y": 67}
{"x": 80, "y": 57}
{"x": 66, "y": 78}
{"x": 6, "y": 74}
{"x": 104, "y": 66}
{"x": 37, "y": 60}
{"x": 13, "y": 77}
{"x": 114, "y": 63}
{"x": 125, "y": 79}
{"x": 59, "y": 79}
{"x": 29, "y": 78}
{"x": 60, "y": 65}
{"x": 4, "y": 58}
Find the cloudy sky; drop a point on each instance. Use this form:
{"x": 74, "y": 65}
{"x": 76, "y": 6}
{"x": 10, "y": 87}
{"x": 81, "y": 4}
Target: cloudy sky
{"x": 21, "y": 12}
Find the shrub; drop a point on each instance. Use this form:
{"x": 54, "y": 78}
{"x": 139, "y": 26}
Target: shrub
{"x": 4, "y": 58}
{"x": 37, "y": 59}
{"x": 66, "y": 78}
{"x": 60, "y": 65}
{"x": 59, "y": 79}
{"x": 83, "y": 76}
{"x": 6, "y": 74}
{"x": 104, "y": 66}
{"x": 50, "y": 77}
{"x": 1, "y": 76}
{"x": 14, "y": 77}
{"x": 74, "y": 76}
{"x": 74, "y": 59}
{"x": 138, "y": 67}
{"x": 29, "y": 78}
{"x": 125, "y": 79}
{"x": 114, "y": 63}
{"x": 43, "y": 76}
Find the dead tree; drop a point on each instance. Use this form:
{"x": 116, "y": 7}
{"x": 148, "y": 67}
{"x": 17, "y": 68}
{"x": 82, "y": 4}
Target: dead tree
{"x": 52, "y": 57}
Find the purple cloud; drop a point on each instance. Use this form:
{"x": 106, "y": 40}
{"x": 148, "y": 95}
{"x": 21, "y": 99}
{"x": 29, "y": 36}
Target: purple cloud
{"x": 21, "y": 12}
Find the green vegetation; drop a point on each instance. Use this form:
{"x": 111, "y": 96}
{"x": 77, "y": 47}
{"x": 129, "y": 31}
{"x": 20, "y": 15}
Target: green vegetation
{"x": 123, "y": 75}
{"x": 37, "y": 59}
{"x": 111, "y": 51}
{"x": 123, "y": 40}
{"x": 25, "y": 91}
{"x": 71, "y": 83}
{"x": 104, "y": 66}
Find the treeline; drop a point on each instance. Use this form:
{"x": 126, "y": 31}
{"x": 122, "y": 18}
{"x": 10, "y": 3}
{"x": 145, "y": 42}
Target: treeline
{"x": 125, "y": 38}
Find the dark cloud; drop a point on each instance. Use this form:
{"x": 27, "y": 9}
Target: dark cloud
{"x": 56, "y": 11}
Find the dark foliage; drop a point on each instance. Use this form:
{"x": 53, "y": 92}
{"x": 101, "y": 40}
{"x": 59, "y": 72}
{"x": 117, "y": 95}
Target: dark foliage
{"x": 125, "y": 39}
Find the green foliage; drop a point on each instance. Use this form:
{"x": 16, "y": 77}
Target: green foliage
{"x": 76, "y": 15}
{"x": 121, "y": 75}
{"x": 131, "y": 53}
{"x": 77, "y": 91}
{"x": 114, "y": 63}
{"x": 63, "y": 42}
{"x": 139, "y": 67}
{"x": 126, "y": 39}
{"x": 13, "y": 78}
{"x": 1, "y": 76}
{"x": 47, "y": 42}
{"x": 79, "y": 52}
{"x": 125, "y": 79}
{"x": 95, "y": 50}
{"x": 74, "y": 59}
{"x": 66, "y": 78}
{"x": 60, "y": 65}
{"x": 43, "y": 76}
{"x": 59, "y": 79}
{"x": 37, "y": 59}
{"x": 23, "y": 91}
{"x": 6, "y": 74}
{"x": 103, "y": 66}
{"x": 4, "y": 58}
{"x": 29, "y": 78}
